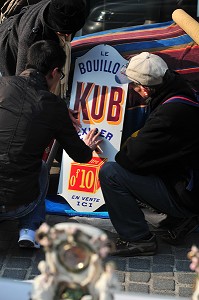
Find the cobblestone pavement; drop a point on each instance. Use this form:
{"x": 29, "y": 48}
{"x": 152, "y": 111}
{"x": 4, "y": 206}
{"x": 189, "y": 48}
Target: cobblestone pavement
{"x": 166, "y": 273}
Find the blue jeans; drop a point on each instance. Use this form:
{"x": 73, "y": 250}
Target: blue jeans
{"x": 121, "y": 190}
{"x": 33, "y": 214}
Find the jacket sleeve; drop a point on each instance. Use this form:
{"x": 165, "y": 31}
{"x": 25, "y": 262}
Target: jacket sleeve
{"x": 29, "y": 29}
{"x": 68, "y": 137}
{"x": 157, "y": 144}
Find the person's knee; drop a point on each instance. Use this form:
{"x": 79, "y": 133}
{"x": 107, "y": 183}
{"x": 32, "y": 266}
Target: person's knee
{"x": 106, "y": 170}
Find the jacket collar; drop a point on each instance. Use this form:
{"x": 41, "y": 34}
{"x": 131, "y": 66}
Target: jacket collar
{"x": 174, "y": 84}
{"x": 36, "y": 78}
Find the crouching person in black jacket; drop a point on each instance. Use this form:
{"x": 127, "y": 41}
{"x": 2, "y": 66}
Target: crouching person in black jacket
{"x": 30, "y": 117}
{"x": 159, "y": 167}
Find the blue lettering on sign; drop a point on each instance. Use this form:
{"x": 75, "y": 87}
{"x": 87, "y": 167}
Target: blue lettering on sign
{"x": 87, "y": 201}
{"x": 104, "y": 53}
{"x": 90, "y": 199}
{"x": 103, "y": 133}
{"x": 75, "y": 197}
{"x": 99, "y": 65}
{"x": 84, "y": 204}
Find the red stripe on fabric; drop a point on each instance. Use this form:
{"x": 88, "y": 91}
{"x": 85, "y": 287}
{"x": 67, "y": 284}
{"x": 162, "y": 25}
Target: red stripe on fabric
{"x": 188, "y": 71}
{"x": 179, "y": 97}
{"x": 131, "y": 36}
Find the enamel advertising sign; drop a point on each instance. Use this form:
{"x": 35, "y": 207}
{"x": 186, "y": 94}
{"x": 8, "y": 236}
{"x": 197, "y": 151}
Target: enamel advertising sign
{"x": 100, "y": 98}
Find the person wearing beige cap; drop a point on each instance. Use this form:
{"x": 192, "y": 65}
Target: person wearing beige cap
{"x": 158, "y": 168}
{"x": 146, "y": 69}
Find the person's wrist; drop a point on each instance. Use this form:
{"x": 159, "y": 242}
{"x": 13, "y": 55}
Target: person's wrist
{"x": 92, "y": 146}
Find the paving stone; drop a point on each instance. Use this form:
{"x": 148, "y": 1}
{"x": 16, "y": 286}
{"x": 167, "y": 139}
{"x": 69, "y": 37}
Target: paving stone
{"x": 31, "y": 277}
{"x": 123, "y": 288}
{"x": 163, "y": 259}
{"x": 186, "y": 278}
{"x": 185, "y": 292}
{"x": 140, "y": 276}
{"x": 120, "y": 263}
{"x": 2, "y": 258}
{"x": 167, "y": 275}
{"x": 39, "y": 255}
{"x": 181, "y": 254}
{"x": 136, "y": 263}
{"x": 14, "y": 274}
{"x": 165, "y": 293}
{"x": 35, "y": 271}
{"x": 137, "y": 288}
{"x": 163, "y": 284}
{"x": 162, "y": 270}
{"x": 120, "y": 276}
{"x": 183, "y": 265}
{"x": 18, "y": 263}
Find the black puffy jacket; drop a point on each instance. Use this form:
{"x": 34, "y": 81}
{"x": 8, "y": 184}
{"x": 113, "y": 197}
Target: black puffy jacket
{"x": 18, "y": 33}
{"x": 168, "y": 144}
{"x": 30, "y": 117}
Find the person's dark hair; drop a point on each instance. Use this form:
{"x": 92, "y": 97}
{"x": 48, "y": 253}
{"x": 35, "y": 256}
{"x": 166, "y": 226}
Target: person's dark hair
{"x": 45, "y": 55}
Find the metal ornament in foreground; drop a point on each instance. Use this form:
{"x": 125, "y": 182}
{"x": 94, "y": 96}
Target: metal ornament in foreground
{"x": 73, "y": 267}
{"x": 193, "y": 255}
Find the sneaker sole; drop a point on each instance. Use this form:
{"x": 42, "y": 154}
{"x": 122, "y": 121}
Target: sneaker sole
{"x": 27, "y": 244}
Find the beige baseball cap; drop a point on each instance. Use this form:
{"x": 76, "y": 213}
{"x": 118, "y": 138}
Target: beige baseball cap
{"x": 146, "y": 69}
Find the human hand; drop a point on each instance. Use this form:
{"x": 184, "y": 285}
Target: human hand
{"x": 73, "y": 115}
{"x": 91, "y": 140}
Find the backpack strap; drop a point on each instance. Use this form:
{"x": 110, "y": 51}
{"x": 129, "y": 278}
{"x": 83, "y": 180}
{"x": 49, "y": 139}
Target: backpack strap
{"x": 181, "y": 99}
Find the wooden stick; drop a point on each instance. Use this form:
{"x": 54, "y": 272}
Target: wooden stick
{"x": 187, "y": 23}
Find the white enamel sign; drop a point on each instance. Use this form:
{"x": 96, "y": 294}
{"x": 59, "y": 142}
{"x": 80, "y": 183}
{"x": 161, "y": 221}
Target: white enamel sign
{"x": 101, "y": 101}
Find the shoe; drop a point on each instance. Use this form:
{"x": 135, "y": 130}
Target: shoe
{"x": 177, "y": 234}
{"x": 138, "y": 248}
{"x": 27, "y": 239}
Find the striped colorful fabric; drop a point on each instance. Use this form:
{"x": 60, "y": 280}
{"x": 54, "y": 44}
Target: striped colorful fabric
{"x": 165, "y": 39}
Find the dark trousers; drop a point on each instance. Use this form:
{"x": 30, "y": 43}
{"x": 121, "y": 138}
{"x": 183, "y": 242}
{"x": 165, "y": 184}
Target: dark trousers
{"x": 121, "y": 190}
{"x": 32, "y": 215}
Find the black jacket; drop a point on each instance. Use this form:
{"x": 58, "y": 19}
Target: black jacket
{"x": 30, "y": 117}
{"x": 168, "y": 144}
{"x": 19, "y": 32}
